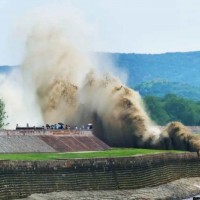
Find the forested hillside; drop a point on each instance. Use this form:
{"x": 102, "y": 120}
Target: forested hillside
{"x": 4, "y": 69}
{"x": 173, "y": 67}
{"x": 160, "y": 88}
{"x": 173, "y": 108}
{"x": 156, "y": 74}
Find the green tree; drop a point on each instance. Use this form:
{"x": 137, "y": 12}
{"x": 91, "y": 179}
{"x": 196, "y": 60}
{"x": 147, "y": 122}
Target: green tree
{"x": 155, "y": 108}
{"x": 183, "y": 110}
{"x": 173, "y": 108}
{"x": 3, "y": 115}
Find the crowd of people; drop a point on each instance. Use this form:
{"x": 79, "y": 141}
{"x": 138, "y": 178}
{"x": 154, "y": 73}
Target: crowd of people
{"x": 58, "y": 126}
{"x": 68, "y": 127}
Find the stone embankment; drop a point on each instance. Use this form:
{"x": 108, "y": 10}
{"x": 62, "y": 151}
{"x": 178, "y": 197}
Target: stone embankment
{"x": 194, "y": 129}
{"x": 23, "y": 178}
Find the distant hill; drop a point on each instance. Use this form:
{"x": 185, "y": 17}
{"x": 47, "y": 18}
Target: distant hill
{"x": 5, "y": 69}
{"x": 157, "y": 74}
{"x": 160, "y": 88}
{"x": 173, "y": 67}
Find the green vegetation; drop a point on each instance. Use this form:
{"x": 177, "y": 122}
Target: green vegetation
{"x": 115, "y": 152}
{"x": 174, "y": 67}
{"x": 160, "y": 88}
{"x": 173, "y": 108}
{"x": 2, "y": 114}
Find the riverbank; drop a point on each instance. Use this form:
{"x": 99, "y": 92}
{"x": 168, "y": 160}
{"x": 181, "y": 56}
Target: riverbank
{"x": 179, "y": 189}
{"x": 118, "y": 176}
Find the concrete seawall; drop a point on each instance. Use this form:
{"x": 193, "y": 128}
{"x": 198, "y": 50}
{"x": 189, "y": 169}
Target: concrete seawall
{"x": 22, "y": 178}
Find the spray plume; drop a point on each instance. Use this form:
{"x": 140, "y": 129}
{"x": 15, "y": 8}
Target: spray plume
{"x": 65, "y": 85}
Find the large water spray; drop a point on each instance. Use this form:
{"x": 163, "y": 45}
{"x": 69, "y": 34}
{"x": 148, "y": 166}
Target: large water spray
{"x": 69, "y": 88}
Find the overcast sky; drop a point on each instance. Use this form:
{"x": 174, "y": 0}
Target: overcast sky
{"x": 139, "y": 26}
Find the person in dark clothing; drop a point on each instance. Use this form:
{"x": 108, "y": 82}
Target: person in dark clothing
{"x": 47, "y": 126}
{"x": 198, "y": 152}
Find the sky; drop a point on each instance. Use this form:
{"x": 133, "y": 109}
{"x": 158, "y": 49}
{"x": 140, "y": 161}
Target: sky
{"x": 128, "y": 26}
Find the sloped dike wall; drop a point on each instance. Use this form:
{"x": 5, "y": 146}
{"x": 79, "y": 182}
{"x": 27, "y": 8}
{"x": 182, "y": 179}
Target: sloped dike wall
{"x": 22, "y": 178}
{"x": 23, "y": 141}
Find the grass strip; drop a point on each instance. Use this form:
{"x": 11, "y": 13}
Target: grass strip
{"x": 114, "y": 152}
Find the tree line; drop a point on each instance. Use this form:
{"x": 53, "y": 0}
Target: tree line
{"x": 173, "y": 108}
{"x": 3, "y": 115}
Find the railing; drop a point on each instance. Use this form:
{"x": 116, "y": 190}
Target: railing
{"x": 44, "y": 132}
